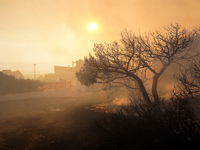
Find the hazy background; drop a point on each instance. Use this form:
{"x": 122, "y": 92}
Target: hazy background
{"x": 55, "y": 32}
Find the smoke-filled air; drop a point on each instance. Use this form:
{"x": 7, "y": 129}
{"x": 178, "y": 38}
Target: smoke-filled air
{"x": 99, "y": 74}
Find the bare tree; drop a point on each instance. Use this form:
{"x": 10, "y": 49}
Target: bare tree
{"x": 189, "y": 79}
{"x": 127, "y": 61}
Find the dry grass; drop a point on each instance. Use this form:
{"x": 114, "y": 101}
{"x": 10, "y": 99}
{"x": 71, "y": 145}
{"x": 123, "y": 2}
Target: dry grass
{"x": 65, "y": 123}
{"x": 46, "y": 123}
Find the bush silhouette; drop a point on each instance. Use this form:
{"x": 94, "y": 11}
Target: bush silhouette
{"x": 9, "y": 84}
{"x": 163, "y": 125}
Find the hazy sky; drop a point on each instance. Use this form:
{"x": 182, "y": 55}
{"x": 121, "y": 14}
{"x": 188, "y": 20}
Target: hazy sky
{"x": 48, "y": 32}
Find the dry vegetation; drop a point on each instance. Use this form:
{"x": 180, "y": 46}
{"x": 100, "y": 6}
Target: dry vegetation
{"x": 79, "y": 123}
{"x": 47, "y": 123}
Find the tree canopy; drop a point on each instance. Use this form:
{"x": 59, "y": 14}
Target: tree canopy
{"x": 126, "y": 62}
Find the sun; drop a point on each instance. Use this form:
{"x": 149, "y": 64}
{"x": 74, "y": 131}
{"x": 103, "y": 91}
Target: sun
{"x": 92, "y": 26}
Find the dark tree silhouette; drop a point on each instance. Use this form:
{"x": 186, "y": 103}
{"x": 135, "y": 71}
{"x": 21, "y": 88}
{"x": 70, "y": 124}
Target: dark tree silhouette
{"x": 9, "y": 84}
{"x": 126, "y": 62}
{"x": 189, "y": 79}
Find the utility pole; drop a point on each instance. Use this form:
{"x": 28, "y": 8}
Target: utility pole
{"x": 34, "y": 71}
{"x": 73, "y": 63}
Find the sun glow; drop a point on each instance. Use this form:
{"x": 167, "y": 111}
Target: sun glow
{"x": 92, "y": 26}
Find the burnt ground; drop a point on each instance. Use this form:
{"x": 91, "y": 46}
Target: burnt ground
{"x": 47, "y": 123}
{"x": 52, "y": 123}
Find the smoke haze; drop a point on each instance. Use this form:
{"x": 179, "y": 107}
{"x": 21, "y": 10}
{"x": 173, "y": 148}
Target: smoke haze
{"x": 46, "y": 31}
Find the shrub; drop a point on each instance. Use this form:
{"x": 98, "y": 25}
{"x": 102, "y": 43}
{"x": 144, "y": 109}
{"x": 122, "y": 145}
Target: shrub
{"x": 166, "y": 125}
{"x": 9, "y": 84}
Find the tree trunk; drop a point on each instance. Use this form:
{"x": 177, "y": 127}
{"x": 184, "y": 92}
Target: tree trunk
{"x": 154, "y": 88}
{"x": 142, "y": 88}
{"x": 144, "y": 92}
{"x": 155, "y": 83}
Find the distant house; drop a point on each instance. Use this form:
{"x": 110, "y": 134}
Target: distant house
{"x": 68, "y": 73}
{"x": 17, "y": 74}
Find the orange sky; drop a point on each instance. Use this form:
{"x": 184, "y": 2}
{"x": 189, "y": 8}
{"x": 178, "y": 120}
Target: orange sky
{"x": 48, "y": 32}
